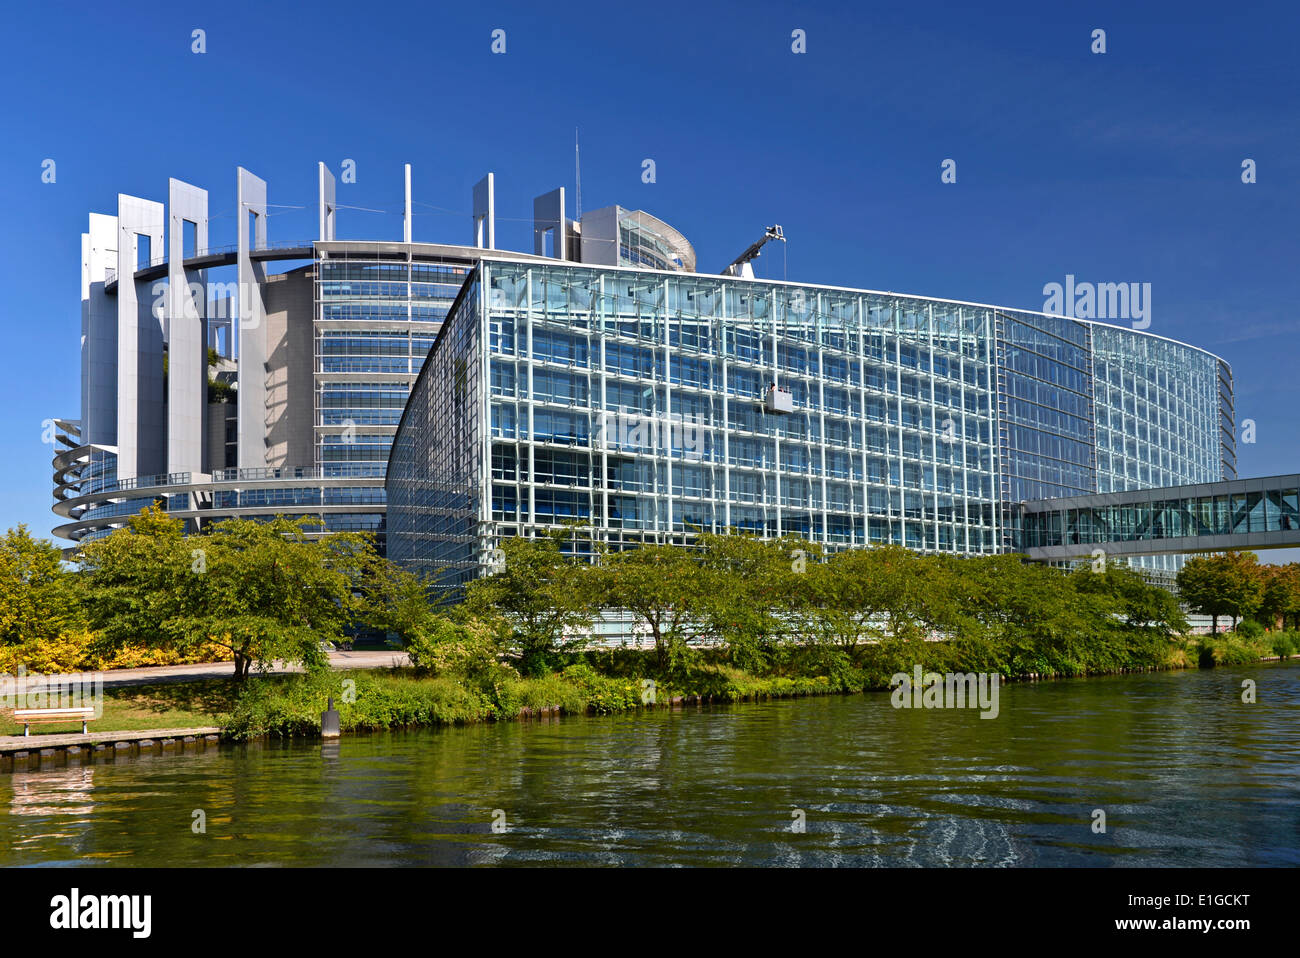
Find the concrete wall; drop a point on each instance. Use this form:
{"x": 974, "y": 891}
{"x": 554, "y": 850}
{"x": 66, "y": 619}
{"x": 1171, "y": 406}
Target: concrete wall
{"x": 548, "y": 215}
{"x": 98, "y": 333}
{"x": 328, "y": 204}
{"x": 290, "y": 354}
{"x": 485, "y": 213}
{"x": 187, "y": 364}
{"x": 252, "y": 328}
{"x": 141, "y": 429}
{"x": 600, "y": 236}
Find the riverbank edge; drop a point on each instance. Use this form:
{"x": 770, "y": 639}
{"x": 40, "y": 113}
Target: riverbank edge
{"x": 15, "y": 756}
{"x": 771, "y": 689}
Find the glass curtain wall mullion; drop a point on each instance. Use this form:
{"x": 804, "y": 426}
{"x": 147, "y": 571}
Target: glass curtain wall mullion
{"x": 529, "y": 399}
{"x": 723, "y": 360}
{"x": 667, "y": 447}
{"x": 933, "y": 451}
{"x": 901, "y": 517}
{"x": 821, "y": 416}
{"x": 861, "y": 358}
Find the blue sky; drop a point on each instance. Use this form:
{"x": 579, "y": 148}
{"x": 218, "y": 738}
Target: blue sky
{"x": 1119, "y": 167}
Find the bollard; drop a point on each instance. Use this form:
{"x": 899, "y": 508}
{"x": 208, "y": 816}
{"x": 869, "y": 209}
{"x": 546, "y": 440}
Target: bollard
{"x": 329, "y": 721}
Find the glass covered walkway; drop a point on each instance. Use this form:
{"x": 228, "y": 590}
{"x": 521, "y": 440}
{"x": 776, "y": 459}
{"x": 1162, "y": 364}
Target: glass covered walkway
{"x": 1213, "y": 516}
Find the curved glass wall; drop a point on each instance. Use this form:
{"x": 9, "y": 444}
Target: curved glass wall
{"x": 652, "y": 407}
{"x": 376, "y": 319}
{"x": 641, "y": 404}
{"x": 1158, "y": 410}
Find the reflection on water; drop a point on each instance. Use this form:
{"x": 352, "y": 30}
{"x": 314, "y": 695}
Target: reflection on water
{"x": 66, "y": 794}
{"x": 1186, "y": 773}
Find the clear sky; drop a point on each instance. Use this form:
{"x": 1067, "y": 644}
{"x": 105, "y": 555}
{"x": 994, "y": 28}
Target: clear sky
{"x": 1117, "y": 167}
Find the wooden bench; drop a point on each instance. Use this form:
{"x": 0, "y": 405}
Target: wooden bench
{"x": 45, "y": 716}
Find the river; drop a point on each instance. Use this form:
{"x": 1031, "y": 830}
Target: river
{"x": 1184, "y": 771}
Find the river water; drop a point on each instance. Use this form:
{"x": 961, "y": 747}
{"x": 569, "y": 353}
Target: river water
{"x": 1184, "y": 771}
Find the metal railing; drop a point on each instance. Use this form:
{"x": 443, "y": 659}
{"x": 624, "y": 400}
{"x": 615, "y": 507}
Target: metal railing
{"x": 110, "y": 274}
{"x": 261, "y": 474}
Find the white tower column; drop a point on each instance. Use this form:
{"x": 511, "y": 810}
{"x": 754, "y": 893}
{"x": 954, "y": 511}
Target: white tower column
{"x": 251, "y": 230}
{"x": 186, "y": 314}
{"x": 141, "y": 431}
{"x": 98, "y": 333}
{"x": 485, "y": 213}
{"x": 406, "y": 218}
{"x": 327, "y": 204}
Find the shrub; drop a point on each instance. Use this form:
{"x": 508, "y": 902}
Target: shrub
{"x": 1230, "y": 648}
{"x": 292, "y": 704}
{"x": 603, "y": 694}
{"x": 1249, "y": 628}
{"x": 81, "y": 651}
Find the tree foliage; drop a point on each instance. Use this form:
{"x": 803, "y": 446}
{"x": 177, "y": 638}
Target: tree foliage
{"x": 267, "y": 590}
{"x": 38, "y": 598}
{"x": 665, "y": 587}
{"x": 261, "y": 590}
{"x": 1223, "y": 584}
{"x": 544, "y": 597}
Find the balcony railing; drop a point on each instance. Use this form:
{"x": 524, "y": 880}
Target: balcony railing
{"x": 311, "y": 473}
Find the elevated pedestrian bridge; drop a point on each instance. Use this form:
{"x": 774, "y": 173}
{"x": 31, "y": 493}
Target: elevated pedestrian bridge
{"x": 1225, "y": 516}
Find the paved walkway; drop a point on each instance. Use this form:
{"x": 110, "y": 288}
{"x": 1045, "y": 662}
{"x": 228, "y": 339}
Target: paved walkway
{"x": 121, "y": 678}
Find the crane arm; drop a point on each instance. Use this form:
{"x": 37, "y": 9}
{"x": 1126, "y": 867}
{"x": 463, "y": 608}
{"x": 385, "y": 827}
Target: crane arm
{"x": 740, "y": 265}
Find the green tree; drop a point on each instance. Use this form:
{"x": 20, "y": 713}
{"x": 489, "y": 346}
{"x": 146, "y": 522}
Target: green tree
{"x": 543, "y": 596}
{"x": 397, "y": 600}
{"x": 263, "y": 590}
{"x": 1280, "y": 602}
{"x": 848, "y": 599}
{"x": 915, "y": 592}
{"x": 1029, "y": 616}
{"x": 757, "y": 591}
{"x": 1142, "y": 604}
{"x": 137, "y": 579}
{"x": 468, "y": 650}
{"x": 1226, "y": 583}
{"x": 665, "y": 587}
{"x": 38, "y": 597}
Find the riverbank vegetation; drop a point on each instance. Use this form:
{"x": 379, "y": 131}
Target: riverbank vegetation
{"x": 735, "y": 618}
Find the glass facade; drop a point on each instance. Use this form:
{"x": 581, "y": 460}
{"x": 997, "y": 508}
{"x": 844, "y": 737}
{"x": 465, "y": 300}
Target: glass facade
{"x": 441, "y": 453}
{"x": 636, "y": 402}
{"x": 1045, "y": 407}
{"x": 653, "y": 405}
{"x": 1158, "y": 416}
{"x": 642, "y": 405}
{"x": 376, "y": 319}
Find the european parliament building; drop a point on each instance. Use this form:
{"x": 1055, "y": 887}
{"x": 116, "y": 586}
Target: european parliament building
{"x": 219, "y": 387}
{"x": 445, "y": 396}
{"x": 654, "y": 404}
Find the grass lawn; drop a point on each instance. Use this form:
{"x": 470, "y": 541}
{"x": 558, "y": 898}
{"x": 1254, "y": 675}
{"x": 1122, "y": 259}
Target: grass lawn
{"x": 178, "y": 705}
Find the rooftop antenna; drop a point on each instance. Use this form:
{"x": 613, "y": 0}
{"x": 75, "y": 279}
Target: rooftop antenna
{"x": 577, "y": 175}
